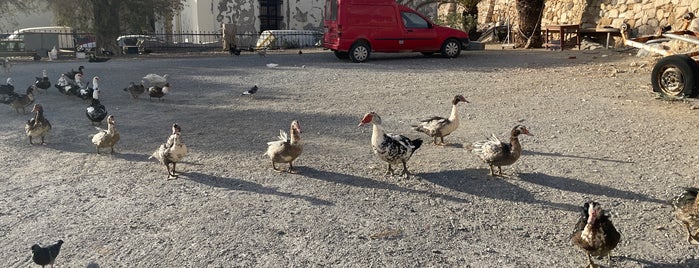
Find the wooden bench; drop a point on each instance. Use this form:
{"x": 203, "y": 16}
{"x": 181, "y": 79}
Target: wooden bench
{"x": 604, "y": 31}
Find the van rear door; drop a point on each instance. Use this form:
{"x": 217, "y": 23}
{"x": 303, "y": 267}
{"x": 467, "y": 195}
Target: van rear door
{"x": 331, "y": 36}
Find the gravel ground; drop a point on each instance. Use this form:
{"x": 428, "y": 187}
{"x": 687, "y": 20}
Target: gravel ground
{"x": 599, "y": 135}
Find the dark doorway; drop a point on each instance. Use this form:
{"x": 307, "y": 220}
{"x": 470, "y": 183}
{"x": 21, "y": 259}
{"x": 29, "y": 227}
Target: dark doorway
{"x": 270, "y": 15}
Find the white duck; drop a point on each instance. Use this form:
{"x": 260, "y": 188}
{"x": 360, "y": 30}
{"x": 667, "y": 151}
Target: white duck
{"x": 497, "y": 153}
{"x": 156, "y": 80}
{"x": 392, "y": 148}
{"x": 286, "y": 149}
{"x": 171, "y": 152}
{"x": 440, "y": 127}
{"x": 106, "y": 137}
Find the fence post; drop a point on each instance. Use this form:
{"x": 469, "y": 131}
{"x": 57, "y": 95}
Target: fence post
{"x": 229, "y": 37}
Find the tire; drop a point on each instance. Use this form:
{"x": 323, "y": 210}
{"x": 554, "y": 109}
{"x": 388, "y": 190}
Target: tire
{"x": 451, "y": 48}
{"x": 675, "y": 75}
{"x": 359, "y": 52}
{"x": 341, "y": 55}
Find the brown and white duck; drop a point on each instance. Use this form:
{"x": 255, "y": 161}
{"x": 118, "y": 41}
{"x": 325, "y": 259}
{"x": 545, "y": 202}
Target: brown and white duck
{"x": 497, "y": 153}
{"x": 135, "y": 90}
{"x": 37, "y": 126}
{"x": 172, "y": 151}
{"x": 286, "y": 149}
{"x": 440, "y": 127}
{"x": 393, "y": 148}
{"x": 595, "y": 233}
{"x": 686, "y": 212}
{"x": 106, "y": 137}
{"x": 21, "y": 101}
{"x": 158, "y": 92}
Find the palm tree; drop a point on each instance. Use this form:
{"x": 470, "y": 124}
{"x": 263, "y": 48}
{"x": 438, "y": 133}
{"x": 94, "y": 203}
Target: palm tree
{"x": 529, "y": 13}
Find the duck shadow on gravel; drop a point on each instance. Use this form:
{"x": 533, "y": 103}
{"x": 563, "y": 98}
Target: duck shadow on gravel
{"x": 687, "y": 263}
{"x": 357, "y": 181}
{"x": 470, "y": 181}
{"x": 572, "y": 185}
{"x": 242, "y": 185}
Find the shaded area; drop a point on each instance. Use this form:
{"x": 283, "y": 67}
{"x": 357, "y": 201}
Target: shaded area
{"x": 357, "y": 181}
{"x": 241, "y": 185}
{"x": 572, "y": 185}
{"x": 469, "y": 181}
{"x": 526, "y": 152}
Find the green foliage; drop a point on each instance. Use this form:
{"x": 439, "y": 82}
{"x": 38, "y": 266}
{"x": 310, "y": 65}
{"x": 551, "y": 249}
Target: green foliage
{"x": 452, "y": 20}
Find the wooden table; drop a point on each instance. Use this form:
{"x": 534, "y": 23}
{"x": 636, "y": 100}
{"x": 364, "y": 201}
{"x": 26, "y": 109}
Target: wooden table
{"x": 605, "y": 30}
{"x": 562, "y": 30}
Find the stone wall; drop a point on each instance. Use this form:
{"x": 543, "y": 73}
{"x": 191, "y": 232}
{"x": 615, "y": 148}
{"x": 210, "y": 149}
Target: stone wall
{"x": 644, "y": 16}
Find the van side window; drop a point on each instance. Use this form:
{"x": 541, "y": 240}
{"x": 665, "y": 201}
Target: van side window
{"x": 412, "y": 20}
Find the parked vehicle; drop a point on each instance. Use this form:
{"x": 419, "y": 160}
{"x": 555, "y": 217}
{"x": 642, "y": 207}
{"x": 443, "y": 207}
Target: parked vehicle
{"x": 675, "y": 74}
{"x": 44, "y": 35}
{"x": 356, "y": 28}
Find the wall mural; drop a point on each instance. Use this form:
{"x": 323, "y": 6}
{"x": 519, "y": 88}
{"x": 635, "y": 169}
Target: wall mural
{"x": 239, "y": 12}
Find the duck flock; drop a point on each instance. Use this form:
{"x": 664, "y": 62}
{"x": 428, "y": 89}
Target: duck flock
{"x": 594, "y": 232}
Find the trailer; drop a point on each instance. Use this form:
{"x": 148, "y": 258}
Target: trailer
{"x": 675, "y": 74}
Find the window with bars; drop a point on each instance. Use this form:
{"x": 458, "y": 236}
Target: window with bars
{"x": 270, "y": 15}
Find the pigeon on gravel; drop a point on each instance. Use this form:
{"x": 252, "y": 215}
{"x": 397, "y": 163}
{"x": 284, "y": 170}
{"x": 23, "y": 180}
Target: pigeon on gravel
{"x": 250, "y": 91}
{"x": 46, "y": 255}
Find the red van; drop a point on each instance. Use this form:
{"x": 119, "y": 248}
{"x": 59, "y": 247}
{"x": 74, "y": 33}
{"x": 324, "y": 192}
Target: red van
{"x": 355, "y": 28}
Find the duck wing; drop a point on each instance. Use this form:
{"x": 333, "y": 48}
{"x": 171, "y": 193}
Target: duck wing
{"x": 491, "y": 149}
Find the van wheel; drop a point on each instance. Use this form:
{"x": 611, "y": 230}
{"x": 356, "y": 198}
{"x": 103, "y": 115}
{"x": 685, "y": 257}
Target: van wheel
{"x": 451, "y": 48}
{"x": 341, "y": 55}
{"x": 359, "y": 52}
{"x": 675, "y": 76}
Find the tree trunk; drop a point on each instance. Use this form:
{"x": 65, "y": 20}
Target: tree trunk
{"x": 530, "y": 12}
{"x": 470, "y": 19}
{"x": 106, "y": 24}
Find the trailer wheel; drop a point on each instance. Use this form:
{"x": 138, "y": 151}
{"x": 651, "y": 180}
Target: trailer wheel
{"x": 359, "y": 52}
{"x": 675, "y": 75}
{"x": 341, "y": 55}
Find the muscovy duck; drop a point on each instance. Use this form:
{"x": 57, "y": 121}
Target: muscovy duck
{"x": 76, "y": 86}
{"x": 156, "y": 80}
{"x": 86, "y": 93}
{"x": 250, "y": 91}
{"x": 46, "y": 255}
{"x": 8, "y": 86}
{"x": 106, "y": 137}
{"x": 392, "y": 148}
{"x": 686, "y": 211}
{"x": 7, "y": 92}
{"x": 96, "y": 112}
{"x": 135, "y": 90}
{"x": 63, "y": 85}
{"x": 21, "y": 101}
{"x": 37, "y": 126}
{"x": 158, "y": 92}
{"x": 71, "y": 74}
{"x": 497, "y": 153}
{"x": 440, "y": 127}
{"x": 171, "y": 152}
{"x": 594, "y": 233}
{"x": 286, "y": 149}
{"x": 43, "y": 82}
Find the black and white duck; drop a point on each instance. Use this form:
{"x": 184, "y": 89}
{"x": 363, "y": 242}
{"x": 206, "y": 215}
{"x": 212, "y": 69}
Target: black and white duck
{"x": 393, "y": 148}
{"x": 43, "y": 82}
{"x": 96, "y": 112}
